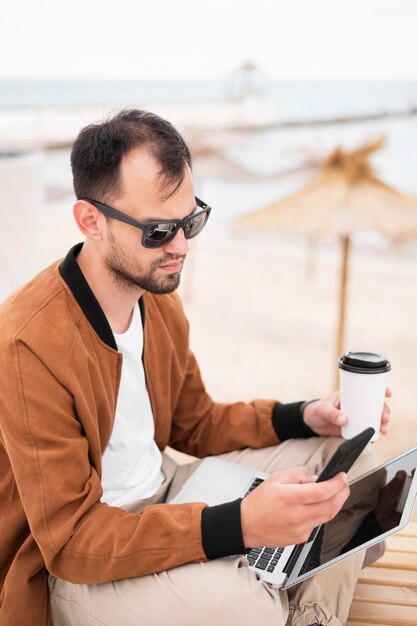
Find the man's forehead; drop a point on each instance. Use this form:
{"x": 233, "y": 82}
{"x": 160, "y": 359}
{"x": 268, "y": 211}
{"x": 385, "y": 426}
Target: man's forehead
{"x": 143, "y": 187}
{"x": 140, "y": 168}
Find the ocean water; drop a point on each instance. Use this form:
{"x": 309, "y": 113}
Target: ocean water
{"x": 291, "y": 99}
{"x": 270, "y": 150}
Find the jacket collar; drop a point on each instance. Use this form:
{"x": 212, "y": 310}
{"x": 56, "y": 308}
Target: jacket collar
{"x": 73, "y": 276}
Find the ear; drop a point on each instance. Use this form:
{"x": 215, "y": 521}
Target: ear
{"x": 88, "y": 219}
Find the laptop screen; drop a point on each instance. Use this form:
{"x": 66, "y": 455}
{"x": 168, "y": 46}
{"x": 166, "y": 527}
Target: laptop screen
{"x": 380, "y": 503}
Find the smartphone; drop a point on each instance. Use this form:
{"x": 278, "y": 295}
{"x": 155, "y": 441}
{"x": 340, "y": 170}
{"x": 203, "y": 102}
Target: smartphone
{"x": 346, "y": 455}
{"x": 341, "y": 461}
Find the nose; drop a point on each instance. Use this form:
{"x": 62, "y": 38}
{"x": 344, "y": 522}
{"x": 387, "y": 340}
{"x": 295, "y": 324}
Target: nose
{"x": 179, "y": 245}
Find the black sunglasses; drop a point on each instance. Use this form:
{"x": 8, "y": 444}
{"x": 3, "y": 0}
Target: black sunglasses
{"x": 158, "y": 234}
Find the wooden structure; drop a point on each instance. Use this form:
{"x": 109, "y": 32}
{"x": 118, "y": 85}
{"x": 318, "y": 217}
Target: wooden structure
{"x": 347, "y": 197}
{"x": 386, "y": 593}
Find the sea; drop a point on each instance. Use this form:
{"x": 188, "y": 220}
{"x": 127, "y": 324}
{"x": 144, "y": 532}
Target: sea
{"x": 262, "y": 151}
{"x": 292, "y": 99}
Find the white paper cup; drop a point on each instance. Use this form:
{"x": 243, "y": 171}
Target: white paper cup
{"x": 363, "y": 383}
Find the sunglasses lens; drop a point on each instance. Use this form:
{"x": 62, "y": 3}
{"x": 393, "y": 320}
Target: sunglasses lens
{"x": 159, "y": 235}
{"x": 195, "y": 224}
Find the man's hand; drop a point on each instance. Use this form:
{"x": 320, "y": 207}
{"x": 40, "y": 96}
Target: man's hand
{"x": 325, "y": 418}
{"x": 286, "y": 507}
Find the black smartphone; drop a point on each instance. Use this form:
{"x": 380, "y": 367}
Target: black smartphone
{"x": 341, "y": 461}
{"x": 346, "y": 454}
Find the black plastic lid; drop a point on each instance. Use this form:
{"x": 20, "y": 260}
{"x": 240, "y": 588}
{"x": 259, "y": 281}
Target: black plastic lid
{"x": 364, "y": 362}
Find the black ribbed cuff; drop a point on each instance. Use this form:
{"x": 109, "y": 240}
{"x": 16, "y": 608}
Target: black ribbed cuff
{"x": 288, "y": 422}
{"x": 221, "y": 530}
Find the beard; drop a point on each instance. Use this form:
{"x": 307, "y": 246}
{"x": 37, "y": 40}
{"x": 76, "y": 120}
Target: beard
{"x": 129, "y": 275}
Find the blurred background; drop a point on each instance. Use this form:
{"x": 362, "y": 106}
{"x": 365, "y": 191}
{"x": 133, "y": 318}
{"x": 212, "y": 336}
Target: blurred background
{"x": 302, "y": 121}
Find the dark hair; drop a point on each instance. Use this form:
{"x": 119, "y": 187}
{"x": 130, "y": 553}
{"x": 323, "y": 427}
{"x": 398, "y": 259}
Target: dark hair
{"x": 99, "y": 149}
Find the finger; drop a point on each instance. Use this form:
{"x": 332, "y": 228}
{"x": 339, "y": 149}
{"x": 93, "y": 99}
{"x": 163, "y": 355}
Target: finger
{"x": 385, "y": 421}
{"x": 313, "y": 493}
{"x": 294, "y": 475}
{"x": 386, "y": 412}
{"x": 307, "y": 477}
{"x": 341, "y": 419}
{"x": 332, "y": 414}
{"x": 334, "y": 399}
{"x": 388, "y": 392}
{"x": 384, "y": 429}
{"x": 325, "y": 511}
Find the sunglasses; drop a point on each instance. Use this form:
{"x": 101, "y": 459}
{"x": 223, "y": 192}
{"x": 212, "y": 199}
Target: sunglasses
{"x": 158, "y": 234}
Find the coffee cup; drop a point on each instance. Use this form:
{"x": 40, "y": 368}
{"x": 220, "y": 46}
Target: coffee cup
{"x": 363, "y": 383}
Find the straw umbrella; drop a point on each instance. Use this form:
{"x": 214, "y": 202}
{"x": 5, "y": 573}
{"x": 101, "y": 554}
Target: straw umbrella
{"x": 347, "y": 197}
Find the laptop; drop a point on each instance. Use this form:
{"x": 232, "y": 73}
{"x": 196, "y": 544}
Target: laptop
{"x": 381, "y": 503}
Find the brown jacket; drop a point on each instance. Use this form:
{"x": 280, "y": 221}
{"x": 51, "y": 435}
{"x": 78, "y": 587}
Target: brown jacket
{"x": 59, "y": 378}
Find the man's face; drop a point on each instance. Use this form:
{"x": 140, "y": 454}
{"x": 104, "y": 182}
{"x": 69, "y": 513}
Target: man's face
{"x": 130, "y": 264}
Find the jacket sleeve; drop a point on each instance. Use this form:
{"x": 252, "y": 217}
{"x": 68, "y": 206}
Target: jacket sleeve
{"x": 199, "y": 426}
{"x": 203, "y": 427}
{"x": 56, "y": 473}
{"x": 186, "y": 417}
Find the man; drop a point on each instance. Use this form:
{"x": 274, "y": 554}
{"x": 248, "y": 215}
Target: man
{"x": 98, "y": 378}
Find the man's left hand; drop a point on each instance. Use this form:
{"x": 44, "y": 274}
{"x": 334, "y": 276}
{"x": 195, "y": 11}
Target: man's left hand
{"x": 326, "y": 419}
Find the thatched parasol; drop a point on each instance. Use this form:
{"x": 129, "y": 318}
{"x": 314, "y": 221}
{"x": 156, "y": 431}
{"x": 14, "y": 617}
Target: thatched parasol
{"x": 347, "y": 197}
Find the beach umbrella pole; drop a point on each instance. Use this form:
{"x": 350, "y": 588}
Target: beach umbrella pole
{"x": 344, "y": 272}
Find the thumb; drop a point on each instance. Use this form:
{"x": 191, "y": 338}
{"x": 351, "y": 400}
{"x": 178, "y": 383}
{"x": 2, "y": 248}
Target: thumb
{"x": 334, "y": 415}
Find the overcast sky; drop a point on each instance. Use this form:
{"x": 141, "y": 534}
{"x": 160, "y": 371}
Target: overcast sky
{"x": 196, "y": 39}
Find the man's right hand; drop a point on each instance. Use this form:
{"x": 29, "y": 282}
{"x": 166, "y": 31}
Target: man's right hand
{"x": 286, "y": 507}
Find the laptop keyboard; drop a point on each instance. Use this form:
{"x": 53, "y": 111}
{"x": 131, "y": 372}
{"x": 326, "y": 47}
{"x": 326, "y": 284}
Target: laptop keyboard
{"x": 263, "y": 558}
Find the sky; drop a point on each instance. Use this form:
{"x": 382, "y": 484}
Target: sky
{"x": 196, "y": 39}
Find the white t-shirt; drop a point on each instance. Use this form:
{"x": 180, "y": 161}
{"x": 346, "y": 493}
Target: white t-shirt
{"x": 132, "y": 461}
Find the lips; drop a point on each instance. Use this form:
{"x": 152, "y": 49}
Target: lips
{"x": 172, "y": 267}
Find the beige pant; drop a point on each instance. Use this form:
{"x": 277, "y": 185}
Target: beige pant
{"x": 223, "y": 592}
